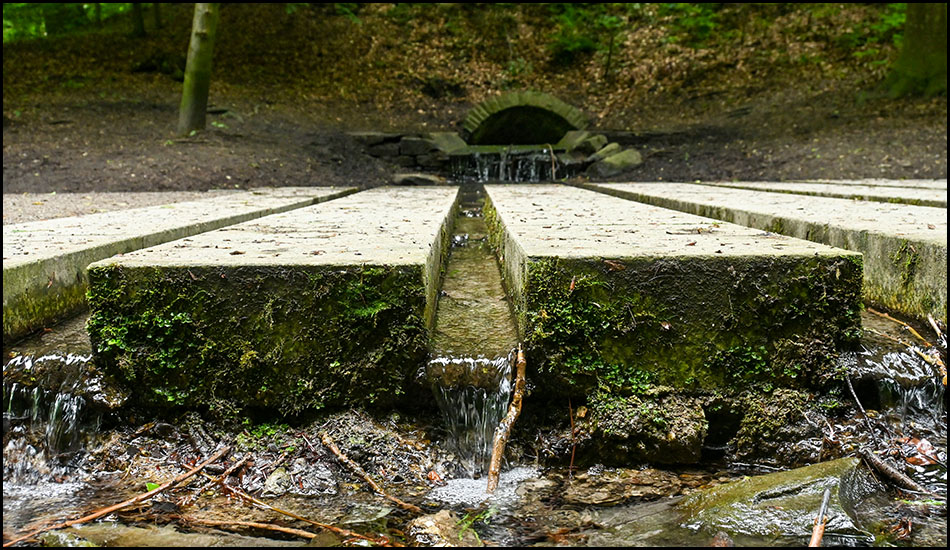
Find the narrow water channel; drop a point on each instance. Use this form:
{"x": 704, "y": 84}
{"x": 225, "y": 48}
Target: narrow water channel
{"x": 473, "y": 339}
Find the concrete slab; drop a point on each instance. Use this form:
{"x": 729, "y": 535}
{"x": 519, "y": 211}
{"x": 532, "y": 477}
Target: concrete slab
{"x": 615, "y": 294}
{"x": 904, "y": 246}
{"x": 44, "y": 262}
{"x": 920, "y": 196}
{"x": 909, "y": 184}
{"x": 325, "y": 305}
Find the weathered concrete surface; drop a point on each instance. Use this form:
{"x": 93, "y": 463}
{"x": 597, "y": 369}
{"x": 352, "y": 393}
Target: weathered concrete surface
{"x": 322, "y": 306}
{"x": 613, "y": 294}
{"x": 904, "y": 246}
{"x": 44, "y": 262}
{"x": 920, "y": 196}
{"x": 910, "y": 184}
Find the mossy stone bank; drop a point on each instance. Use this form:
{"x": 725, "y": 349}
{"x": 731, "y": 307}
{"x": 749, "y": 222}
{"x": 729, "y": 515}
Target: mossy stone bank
{"x": 328, "y": 305}
{"x": 615, "y": 298}
{"x": 904, "y": 246}
{"x": 44, "y": 262}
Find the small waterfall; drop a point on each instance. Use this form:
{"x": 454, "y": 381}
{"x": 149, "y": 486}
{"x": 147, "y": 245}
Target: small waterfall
{"x": 510, "y": 164}
{"x": 473, "y": 394}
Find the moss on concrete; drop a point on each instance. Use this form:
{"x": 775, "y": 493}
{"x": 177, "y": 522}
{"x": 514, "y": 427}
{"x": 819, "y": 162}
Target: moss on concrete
{"x": 687, "y": 323}
{"x": 284, "y": 339}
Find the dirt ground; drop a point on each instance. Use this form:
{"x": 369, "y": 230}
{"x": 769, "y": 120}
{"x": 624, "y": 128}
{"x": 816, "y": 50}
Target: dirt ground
{"x": 77, "y": 119}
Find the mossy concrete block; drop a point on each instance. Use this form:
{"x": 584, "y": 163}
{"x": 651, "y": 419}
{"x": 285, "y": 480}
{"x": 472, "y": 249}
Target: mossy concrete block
{"x": 44, "y": 262}
{"x": 591, "y": 144}
{"x": 324, "y": 306}
{"x": 572, "y": 139}
{"x": 616, "y": 295}
{"x": 904, "y": 246}
{"x": 877, "y": 193}
{"x": 446, "y": 142}
{"x": 605, "y": 151}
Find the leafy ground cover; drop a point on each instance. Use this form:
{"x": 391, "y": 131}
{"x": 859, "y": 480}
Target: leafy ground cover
{"x": 707, "y": 91}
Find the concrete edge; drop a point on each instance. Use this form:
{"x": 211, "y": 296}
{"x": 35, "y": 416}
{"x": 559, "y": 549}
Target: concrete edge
{"x": 901, "y": 275}
{"x": 40, "y": 293}
{"x": 437, "y": 260}
{"x": 853, "y": 196}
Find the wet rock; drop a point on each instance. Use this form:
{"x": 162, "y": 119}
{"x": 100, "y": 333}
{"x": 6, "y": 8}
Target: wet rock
{"x": 607, "y": 487}
{"x": 447, "y": 142}
{"x": 416, "y": 178}
{"x": 278, "y": 483}
{"x": 415, "y": 146}
{"x": 782, "y": 504}
{"x": 441, "y": 529}
{"x": 659, "y": 429}
{"x": 615, "y": 164}
{"x": 779, "y": 428}
{"x": 605, "y": 151}
{"x": 591, "y": 144}
{"x": 374, "y": 138}
{"x": 58, "y": 539}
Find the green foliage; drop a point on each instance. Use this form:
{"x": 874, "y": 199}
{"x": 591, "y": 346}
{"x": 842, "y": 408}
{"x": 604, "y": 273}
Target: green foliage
{"x": 692, "y": 24}
{"x": 24, "y": 21}
{"x": 583, "y": 29}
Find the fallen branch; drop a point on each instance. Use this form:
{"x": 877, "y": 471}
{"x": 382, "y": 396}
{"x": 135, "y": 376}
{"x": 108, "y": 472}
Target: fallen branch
{"x": 227, "y": 473}
{"x": 818, "y": 531}
{"x": 328, "y": 442}
{"x": 381, "y": 541}
{"x": 503, "y": 431}
{"x": 124, "y": 504}
{"x": 902, "y": 323}
{"x": 891, "y": 473}
{"x": 254, "y": 524}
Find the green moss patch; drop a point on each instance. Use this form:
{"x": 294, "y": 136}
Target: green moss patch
{"x": 289, "y": 339}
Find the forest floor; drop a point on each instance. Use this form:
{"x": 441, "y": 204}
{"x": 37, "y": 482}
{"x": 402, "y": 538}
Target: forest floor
{"x": 86, "y": 113}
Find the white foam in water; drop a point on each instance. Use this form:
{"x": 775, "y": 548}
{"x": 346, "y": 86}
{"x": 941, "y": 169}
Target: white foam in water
{"x": 471, "y": 492}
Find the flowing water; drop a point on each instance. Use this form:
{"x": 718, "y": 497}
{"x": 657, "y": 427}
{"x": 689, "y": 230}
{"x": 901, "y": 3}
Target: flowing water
{"x": 473, "y": 339}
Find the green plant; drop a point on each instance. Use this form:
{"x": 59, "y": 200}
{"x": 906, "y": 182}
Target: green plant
{"x": 692, "y": 24}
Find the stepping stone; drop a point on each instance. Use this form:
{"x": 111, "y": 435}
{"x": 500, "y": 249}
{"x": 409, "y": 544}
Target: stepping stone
{"x": 325, "y": 305}
{"x": 904, "y": 246}
{"x": 920, "y": 196}
{"x": 44, "y": 262}
{"x": 620, "y": 295}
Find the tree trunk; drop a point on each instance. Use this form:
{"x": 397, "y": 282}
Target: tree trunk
{"x": 138, "y": 20}
{"x": 922, "y": 64}
{"x": 194, "y": 95}
{"x": 98, "y": 15}
{"x": 157, "y": 15}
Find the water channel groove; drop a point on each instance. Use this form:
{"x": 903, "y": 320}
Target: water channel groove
{"x": 473, "y": 339}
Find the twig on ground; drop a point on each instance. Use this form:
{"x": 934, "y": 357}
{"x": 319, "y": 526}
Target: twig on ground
{"x": 254, "y": 524}
{"x": 328, "y": 442}
{"x": 891, "y": 473}
{"x": 902, "y": 323}
{"x": 503, "y": 431}
{"x": 382, "y": 541}
{"x": 124, "y": 504}
{"x": 818, "y": 531}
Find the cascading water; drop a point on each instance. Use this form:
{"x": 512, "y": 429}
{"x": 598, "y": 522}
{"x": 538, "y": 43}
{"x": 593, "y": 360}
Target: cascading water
{"x": 470, "y": 369}
{"x": 510, "y": 164}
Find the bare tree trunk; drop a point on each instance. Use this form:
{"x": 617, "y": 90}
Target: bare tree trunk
{"x": 98, "y": 15}
{"x": 138, "y": 20}
{"x": 922, "y": 65}
{"x": 157, "y": 15}
{"x": 194, "y": 95}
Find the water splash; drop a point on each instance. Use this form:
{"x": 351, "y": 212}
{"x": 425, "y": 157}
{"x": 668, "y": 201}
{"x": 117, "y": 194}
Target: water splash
{"x": 473, "y": 395}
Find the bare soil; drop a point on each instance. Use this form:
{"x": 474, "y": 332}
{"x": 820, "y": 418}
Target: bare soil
{"x": 77, "y": 117}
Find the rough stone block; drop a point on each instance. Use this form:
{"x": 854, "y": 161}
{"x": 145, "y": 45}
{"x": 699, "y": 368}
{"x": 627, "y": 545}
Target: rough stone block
{"x": 614, "y": 296}
{"x": 44, "y": 262}
{"x": 904, "y": 246}
{"x": 328, "y": 305}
